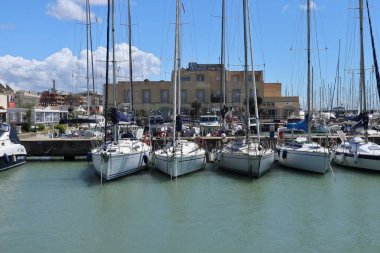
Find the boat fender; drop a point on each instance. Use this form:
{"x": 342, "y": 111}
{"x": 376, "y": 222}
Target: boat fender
{"x": 89, "y": 157}
{"x": 284, "y": 154}
{"x": 14, "y": 159}
{"x": 104, "y": 156}
{"x": 218, "y": 156}
{"x": 6, "y": 158}
{"x": 356, "y": 157}
{"x": 146, "y": 139}
{"x": 145, "y": 159}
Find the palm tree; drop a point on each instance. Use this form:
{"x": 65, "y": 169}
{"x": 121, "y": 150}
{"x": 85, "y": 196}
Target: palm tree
{"x": 196, "y": 105}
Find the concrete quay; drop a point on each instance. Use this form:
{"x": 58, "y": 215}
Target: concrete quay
{"x": 66, "y": 148}
{"x": 74, "y": 148}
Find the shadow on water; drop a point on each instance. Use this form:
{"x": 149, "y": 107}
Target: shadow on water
{"x": 233, "y": 175}
{"x": 89, "y": 176}
{"x": 160, "y": 177}
{"x": 344, "y": 169}
{"x": 302, "y": 173}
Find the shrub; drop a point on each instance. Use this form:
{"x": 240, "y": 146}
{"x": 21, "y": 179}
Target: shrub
{"x": 61, "y": 128}
{"x": 40, "y": 127}
{"x": 25, "y": 127}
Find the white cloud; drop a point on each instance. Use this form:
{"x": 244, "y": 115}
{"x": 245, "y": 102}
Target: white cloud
{"x": 313, "y": 6}
{"x": 69, "y": 70}
{"x": 284, "y": 8}
{"x": 6, "y": 27}
{"x": 70, "y": 9}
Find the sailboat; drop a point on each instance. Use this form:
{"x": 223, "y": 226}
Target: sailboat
{"x": 357, "y": 152}
{"x": 246, "y": 155}
{"x": 179, "y": 157}
{"x": 118, "y": 157}
{"x": 302, "y": 153}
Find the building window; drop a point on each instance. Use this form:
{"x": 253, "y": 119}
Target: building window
{"x": 201, "y": 95}
{"x": 185, "y": 78}
{"x": 200, "y": 78}
{"x": 272, "y": 112}
{"x": 40, "y": 117}
{"x": 127, "y": 96}
{"x": 184, "y": 96}
{"x": 165, "y": 96}
{"x": 235, "y": 78}
{"x": 251, "y": 93}
{"x": 216, "y": 97}
{"x": 235, "y": 96}
{"x": 146, "y": 96}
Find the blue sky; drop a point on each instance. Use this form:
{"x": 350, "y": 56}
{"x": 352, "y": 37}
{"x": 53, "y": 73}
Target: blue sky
{"x": 44, "y": 40}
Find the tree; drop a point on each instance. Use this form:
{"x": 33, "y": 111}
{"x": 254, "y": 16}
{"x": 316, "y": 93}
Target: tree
{"x": 27, "y": 120}
{"x": 196, "y": 106}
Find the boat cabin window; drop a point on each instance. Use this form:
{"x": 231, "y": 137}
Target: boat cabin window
{"x": 4, "y": 128}
{"x": 374, "y": 147}
{"x": 209, "y": 119}
{"x": 156, "y": 121}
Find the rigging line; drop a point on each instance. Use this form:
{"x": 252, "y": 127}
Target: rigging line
{"x": 212, "y": 43}
{"x": 317, "y": 42}
{"x": 193, "y": 33}
{"x": 374, "y": 52}
{"x": 261, "y": 43}
{"x": 347, "y": 47}
{"x": 162, "y": 39}
{"x": 297, "y": 57}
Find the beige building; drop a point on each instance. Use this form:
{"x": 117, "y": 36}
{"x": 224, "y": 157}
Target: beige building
{"x": 26, "y": 98}
{"x": 202, "y": 82}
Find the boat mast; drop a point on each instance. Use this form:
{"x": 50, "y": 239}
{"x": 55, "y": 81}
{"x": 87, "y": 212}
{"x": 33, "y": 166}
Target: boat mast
{"x": 363, "y": 102}
{"x": 114, "y": 68}
{"x": 253, "y": 75}
{"x": 130, "y": 56}
{"x": 246, "y": 68}
{"x": 87, "y": 55}
{"x": 176, "y": 44}
{"x": 92, "y": 58}
{"x": 179, "y": 61}
{"x": 222, "y": 59}
{"x": 308, "y": 74}
{"x": 107, "y": 72}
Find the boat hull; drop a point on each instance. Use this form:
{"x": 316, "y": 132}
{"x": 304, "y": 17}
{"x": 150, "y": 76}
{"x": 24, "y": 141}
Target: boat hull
{"x": 312, "y": 161}
{"x": 253, "y": 165}
{"x": 111, "y": 166}
{"x": 178, "y": 165}
{"x": 12, "y": 161}
{"x": 360, "y": 161}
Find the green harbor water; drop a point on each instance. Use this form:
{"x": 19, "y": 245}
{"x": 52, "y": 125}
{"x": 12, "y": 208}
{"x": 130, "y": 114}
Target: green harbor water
{"x": 61, "y": 207}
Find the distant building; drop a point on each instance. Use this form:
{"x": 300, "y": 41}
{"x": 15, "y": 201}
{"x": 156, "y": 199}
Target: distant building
{"x": 24, "y": 99}
{"x": 38, "y": 116}
{"x": 202, "y": 82}
{"x": 52, "y": 98}
{"x": 6, "y": 96}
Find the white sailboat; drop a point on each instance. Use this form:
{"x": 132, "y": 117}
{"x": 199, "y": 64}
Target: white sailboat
{"x": 302, "y": 153}
{"x": 179, "y": 157}
{"x": 246, "y": 155}
{"x": 357, "y": 152}
{"x": 118, "y": 157}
